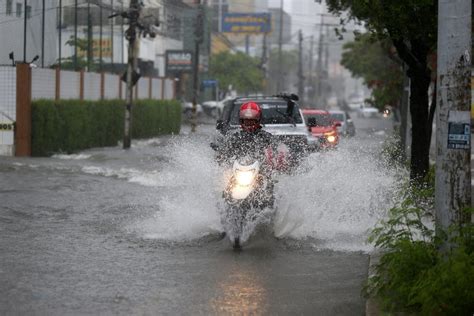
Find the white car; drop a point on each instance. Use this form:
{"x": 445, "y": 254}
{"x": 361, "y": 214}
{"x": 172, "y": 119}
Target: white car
{"x": 347, "y": 127}
{"x": 187, "y": 108}
{"x": 369, "y": 112}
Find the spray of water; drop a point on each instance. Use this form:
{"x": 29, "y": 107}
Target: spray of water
{"x": 332, "y": 202}
{"x": 336, "y": 198}
{"x": 190, "y": 211}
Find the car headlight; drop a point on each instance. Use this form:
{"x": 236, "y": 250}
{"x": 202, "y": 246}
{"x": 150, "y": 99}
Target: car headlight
{"x": 244, "y": 178}
{"x": 331, "y": 138}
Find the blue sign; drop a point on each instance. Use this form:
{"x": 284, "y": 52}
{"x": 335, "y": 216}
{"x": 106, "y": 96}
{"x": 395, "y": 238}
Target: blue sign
{"x": 209, "y": 83}
{"x": 246, "y": 23}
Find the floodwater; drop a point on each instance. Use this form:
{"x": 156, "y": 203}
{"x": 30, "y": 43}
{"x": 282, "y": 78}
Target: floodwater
{"x": 109, "y": 231}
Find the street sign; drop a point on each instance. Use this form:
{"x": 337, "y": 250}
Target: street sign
{"x": 209, "y": 83}
{"x": 249, "y": 23}
{"x": 178, "y": 61}
{"x": 459, "y": 130}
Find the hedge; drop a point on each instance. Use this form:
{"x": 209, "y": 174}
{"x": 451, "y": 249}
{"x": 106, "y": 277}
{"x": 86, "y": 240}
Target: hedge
{"x": 68, "y": 126}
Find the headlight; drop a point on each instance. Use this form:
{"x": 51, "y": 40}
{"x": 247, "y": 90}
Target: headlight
{"x": 331, "y": 139}
{"x": 244, "y": 178}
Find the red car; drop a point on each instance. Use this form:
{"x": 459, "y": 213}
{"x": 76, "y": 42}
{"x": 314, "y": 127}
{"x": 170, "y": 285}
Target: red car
{"x": 321, "y": 125}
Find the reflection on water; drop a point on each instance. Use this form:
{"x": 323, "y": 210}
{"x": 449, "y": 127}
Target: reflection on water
{"x": 240, "y": 293}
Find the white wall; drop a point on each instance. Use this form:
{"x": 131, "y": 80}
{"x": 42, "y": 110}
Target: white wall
{"x": 7, "y": 108}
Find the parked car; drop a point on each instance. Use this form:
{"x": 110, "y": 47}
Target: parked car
{"x": 369, "y": 112}
{"x": 278, "y": 118}
{"x": 210, "y": 108}
{"x": 187, "y": 108}
{"x": 347, "y": 127}
{"x": 323, "y": 127}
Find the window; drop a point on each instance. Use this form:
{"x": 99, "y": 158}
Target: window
{"x": 273, "y": 112}
{"x": 9, "y": 7}
{"x": 18, "y": 10}
{"x": 28, "y": 12}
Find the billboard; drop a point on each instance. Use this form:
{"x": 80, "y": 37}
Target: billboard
{"x": 246, "y": 23}
{"x": 178, "y": 61}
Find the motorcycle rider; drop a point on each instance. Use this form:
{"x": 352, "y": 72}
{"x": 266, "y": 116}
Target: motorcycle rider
{"x": 251, "y": 141}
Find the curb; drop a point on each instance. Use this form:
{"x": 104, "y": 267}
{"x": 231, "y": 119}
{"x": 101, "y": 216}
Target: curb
{"x": 372, "y": 307}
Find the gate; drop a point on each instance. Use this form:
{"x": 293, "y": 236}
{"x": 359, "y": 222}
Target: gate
{"x": 7, "y": 109}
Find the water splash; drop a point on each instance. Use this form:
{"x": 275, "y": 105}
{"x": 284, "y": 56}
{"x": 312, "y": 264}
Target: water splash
{"x": 190, "y": 211}
{"x": 338, "y": 197}
{"x": 334, "y": 199}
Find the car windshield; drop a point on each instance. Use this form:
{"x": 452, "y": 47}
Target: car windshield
{"x": 320, "y": 119}
{"x": 337, "y": 116}
{"x": 273, "y": 112}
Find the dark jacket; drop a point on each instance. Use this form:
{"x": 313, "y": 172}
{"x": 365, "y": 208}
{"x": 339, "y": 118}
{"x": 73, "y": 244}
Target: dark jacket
{"x": 242, "y": 144}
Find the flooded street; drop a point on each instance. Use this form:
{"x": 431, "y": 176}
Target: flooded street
{"x": 109, "y": 231}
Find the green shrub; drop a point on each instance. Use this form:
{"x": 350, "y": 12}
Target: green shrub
{"x": 413, "y": 275}
{"x": 72, "y": 125}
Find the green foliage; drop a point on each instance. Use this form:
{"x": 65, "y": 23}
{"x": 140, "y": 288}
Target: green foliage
{"x": 413, "y": 275}
{"x": 238, "y": 70}
{"x": 81, "y": 60}
{"x": 376, "y": 62}
{"x": 398, "y": 20}
{"x": 411, "y": 26}
{"x": 72, "y": 125}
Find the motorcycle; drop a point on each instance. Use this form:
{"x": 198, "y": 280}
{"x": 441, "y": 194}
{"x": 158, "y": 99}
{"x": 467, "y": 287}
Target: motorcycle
{"x": 248, "y": 200}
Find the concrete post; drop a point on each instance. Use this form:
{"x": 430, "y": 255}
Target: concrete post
{"x": 23, "y": 110}
{"x": 453, "y": 174}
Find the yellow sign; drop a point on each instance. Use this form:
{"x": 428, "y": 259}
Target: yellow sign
{"x": 106, "y": 49}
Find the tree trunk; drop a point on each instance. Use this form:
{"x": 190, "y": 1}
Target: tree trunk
{"x": 419, "y": 104}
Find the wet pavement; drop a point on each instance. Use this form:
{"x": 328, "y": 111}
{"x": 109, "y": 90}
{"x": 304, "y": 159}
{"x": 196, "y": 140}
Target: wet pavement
{"x": 109, "y": 231}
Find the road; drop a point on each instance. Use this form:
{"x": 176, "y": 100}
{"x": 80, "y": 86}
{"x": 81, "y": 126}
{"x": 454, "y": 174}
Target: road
{"x": 109, "y": 231}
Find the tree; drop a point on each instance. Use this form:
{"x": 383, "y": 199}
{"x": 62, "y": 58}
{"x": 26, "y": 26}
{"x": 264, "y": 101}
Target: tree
{"x": 411, "y": 25}
{"x": 375, "y": 62}
{"x": 67, "y": 63}
{"x": 238, "y": 70}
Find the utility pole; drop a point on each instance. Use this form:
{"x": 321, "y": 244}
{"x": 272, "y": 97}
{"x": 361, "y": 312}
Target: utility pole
{"x": 60, "y": 32}
{"x": 263, "y": 59}
{"x": 24, "y": 32}
{"x": 131, "y": 34}
{"x": 311, "y": 93}
{"x": 219, "y": 18}
{"x": 112, "y": 34}
{"x": 247, "y": 44}
{"x": 319, "y": 66}
{"x": 42, "y": 34}
{"x": 100, "y": 37}
{"x": 131, "y": 76}
{"x": 75, "y": 35}
{"x": 453, "y": 177}
{"x": 89, "y": 36}
{"x": 300, "y": 67}
{"x": 280, "y": 43}
{"x": 198, "y": 39}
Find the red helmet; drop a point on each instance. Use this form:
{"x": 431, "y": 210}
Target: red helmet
{"x": 250, "y": 116}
